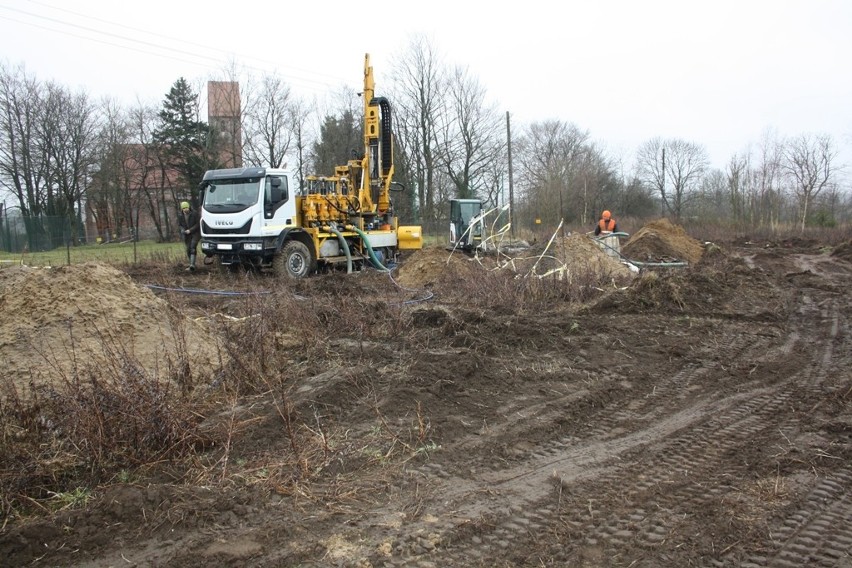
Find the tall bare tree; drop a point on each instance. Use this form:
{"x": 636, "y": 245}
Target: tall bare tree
{"x": 809, "y": 163}
{"x": 594, "y": 183}
{"x": 767, "y": 200}
{"x": 46, "y": 149}
{"x": 471, "y": 135}
{"x": 71, "y": 127}
{"x": 267, "y": 127}
{"x": 420, "y": 103}
{"x": 151, "y": 184}
{"x": 674, "y": 168}
{"x": 104, "y": 199}
{"x": 299, "y": 119}
{"x": 737, "y": 177}
{"x": 547, "y": 155}
{"x": 24, "y": 161}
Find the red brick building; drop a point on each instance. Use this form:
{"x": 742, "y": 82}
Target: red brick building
{"x": 154, "y": 189}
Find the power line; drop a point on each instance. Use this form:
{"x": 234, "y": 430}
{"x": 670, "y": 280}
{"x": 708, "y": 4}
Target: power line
{"x": 150, "y": 48}
{"x": 184, "y": 41}
{"x": 101, "y": 41}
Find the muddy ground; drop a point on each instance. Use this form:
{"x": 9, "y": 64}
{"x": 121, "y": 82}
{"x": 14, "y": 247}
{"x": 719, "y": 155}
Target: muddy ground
{"x": 697, "y": 416}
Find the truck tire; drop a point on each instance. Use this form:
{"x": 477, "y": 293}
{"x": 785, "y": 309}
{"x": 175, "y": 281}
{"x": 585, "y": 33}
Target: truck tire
{"x": 294, "y": 260}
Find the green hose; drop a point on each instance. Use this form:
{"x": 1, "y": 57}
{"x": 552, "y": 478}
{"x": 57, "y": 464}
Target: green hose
{"x": 372, "y": 254}
{"x": 345, "y": 246}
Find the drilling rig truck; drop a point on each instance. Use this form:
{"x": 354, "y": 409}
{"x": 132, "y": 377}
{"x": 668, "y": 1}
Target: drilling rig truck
{"x": 260, "y": 218}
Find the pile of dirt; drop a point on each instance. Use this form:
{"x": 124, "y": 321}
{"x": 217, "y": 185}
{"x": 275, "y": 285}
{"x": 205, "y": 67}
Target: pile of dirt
{"x": 575, "y": 257}
{"x": 843, "y": 251}
{"x": 717, "y": 285}
{"x": 424, "y": 267}
{"x": 662, "y": 241}
{"x": 58, "y": 320}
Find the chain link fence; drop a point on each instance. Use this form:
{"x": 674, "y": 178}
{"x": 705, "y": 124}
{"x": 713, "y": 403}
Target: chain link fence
{"x": 20, "y": 234}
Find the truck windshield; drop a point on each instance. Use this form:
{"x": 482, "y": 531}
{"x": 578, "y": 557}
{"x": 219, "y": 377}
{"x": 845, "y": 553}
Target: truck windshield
{"x": 232, "y": 192}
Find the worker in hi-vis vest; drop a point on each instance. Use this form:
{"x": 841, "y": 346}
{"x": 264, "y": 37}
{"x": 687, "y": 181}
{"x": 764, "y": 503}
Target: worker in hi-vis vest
{"x": 606, "y": 224}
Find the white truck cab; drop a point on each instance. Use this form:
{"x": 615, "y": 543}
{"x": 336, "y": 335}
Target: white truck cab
{"x": 246, "y": 214}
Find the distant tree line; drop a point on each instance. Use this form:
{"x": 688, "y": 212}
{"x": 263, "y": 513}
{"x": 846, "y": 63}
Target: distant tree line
{"x": 64, "y": 156}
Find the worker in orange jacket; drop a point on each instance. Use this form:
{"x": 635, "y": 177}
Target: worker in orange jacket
{"x": 606, "y": 224}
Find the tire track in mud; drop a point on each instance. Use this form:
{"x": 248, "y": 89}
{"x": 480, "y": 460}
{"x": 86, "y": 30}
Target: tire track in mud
{"x": 736, "y": 422}
{"x": 668, "y": 466}
{"x": 528, "y": 488}
{"x": 817, "y": 534}
{"x": 692, "y": 377}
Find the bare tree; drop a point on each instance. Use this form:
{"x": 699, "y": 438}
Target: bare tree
{"x": 23, "y": 158}
{"x": 593, "y": 182}
{"x": 268, "y": 124}
{"x": 715, "y": 196}
{"x": 103, "y": 197}
{"x": 766, "y": 195}
{"x": 674, "y": 168}
{"x": 71, "y": 127}
{"x": 46, "y": 149}
{"x": 299, "y": 118}
{"x": 737, "y": 177}
{"x": 471, "y": 135}
{"x": 419, "y": 83}
{"x": 548, "y": 154}
{"x": 809, "y": 163}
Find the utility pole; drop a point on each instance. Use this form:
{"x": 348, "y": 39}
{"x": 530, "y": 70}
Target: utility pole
{"x": 663, "y": 187}
{"x": 511, "y": 192}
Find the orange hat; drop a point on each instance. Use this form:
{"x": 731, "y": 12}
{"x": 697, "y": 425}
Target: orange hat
{"x": 606, "y": 215}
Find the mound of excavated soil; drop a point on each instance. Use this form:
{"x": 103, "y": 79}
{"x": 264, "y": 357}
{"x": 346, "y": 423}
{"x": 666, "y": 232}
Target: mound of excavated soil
{"x": 718, "y": 285}
{"x": 843, "y": 251}
{"x": 662, "y": 241}
{"x": 55, "y": 320}
{"x": 424, "y": 267}
{"x": 575, "y": 257}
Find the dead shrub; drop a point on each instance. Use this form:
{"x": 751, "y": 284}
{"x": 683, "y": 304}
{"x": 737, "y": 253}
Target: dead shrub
{"x": 507, "y": 291}
{"x": 92, "y": 424}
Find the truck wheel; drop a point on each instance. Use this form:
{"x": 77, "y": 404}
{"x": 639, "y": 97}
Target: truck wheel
{"x": 294, "y": 260}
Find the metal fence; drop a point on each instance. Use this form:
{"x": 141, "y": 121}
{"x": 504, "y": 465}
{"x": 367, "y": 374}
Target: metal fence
{"x": 35, "y": 234}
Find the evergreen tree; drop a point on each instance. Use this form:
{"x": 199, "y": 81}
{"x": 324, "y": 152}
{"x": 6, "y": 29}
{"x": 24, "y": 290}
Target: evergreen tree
{"x": 185, "y": 142}
{"x": 340, "y": 140}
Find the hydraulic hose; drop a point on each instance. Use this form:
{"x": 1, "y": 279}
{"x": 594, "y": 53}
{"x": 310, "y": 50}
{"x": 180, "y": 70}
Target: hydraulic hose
{"x": 372, "y": 254}
{"x": 601, "y": 238}
{"x": 344, "y": 245}
{"x": 660, "y": 264}
{"x": 201, "y": 291}
{"x": 618, "y": 234}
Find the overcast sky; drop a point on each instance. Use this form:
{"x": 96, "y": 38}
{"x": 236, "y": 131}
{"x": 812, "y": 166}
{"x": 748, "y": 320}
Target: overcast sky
{"x": 718, "y": 73}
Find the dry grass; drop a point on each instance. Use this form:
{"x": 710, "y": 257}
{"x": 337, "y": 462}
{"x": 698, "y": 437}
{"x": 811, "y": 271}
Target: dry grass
{"x": 114, "y": 421}
{"x": 83, "y": 430}
{"x": 508, "y": 290}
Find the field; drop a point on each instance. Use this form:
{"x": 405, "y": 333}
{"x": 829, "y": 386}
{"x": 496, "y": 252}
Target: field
{"x": 541, "y": 407}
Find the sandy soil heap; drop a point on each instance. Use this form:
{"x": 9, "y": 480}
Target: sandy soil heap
{"x": 575, "y": 257}
{"x": 662, "y": 241}
{"x": 54, "y": 318}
